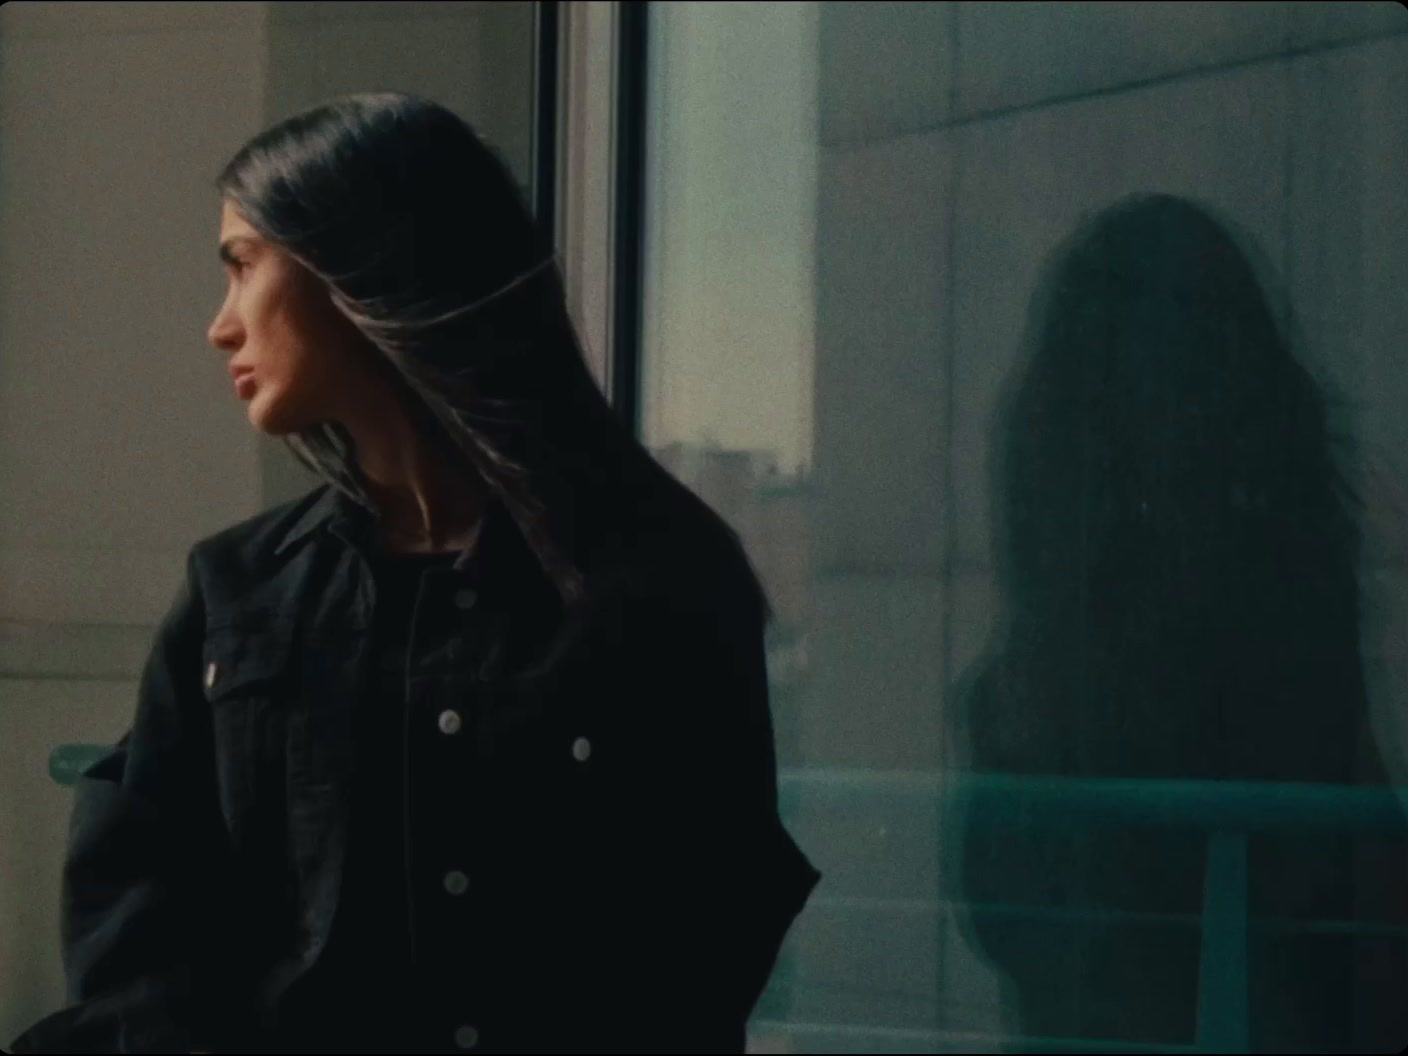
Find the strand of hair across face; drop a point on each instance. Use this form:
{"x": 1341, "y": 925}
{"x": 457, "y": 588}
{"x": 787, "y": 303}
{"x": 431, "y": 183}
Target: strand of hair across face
{"x": 402, "y": 324}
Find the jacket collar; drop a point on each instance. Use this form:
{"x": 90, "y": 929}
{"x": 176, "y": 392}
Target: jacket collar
{"x": 331, "y": 502}
{"x": 355, "y": 524}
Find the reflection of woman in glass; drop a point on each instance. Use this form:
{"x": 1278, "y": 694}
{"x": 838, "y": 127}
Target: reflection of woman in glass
{"x": 1177, "y": 558}
{"x": 468, "y": 749}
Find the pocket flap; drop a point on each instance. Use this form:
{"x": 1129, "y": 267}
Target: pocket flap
{"x": 236, "y": 657}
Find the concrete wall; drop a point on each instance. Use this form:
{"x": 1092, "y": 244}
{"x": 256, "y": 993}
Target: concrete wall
{"x": 120, "y": 442}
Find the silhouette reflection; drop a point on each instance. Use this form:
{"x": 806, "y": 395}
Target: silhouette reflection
{"x": 1176, "y": 555}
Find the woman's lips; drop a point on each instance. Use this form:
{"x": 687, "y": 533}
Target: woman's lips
{"x": 244, "y": 385}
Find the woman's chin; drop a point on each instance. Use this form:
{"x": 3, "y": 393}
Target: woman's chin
{"x": 268, "y": 420}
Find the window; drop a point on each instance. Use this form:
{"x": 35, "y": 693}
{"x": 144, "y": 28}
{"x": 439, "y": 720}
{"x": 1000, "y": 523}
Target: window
{"x": 1036, "y": 351}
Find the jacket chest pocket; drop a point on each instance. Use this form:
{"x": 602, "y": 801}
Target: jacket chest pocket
{"x": 549, "y": 747}
{"x": 249, "y": 685}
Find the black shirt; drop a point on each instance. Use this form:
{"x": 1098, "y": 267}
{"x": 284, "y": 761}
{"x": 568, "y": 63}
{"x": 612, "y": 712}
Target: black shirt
{"x": 363, "y": 994}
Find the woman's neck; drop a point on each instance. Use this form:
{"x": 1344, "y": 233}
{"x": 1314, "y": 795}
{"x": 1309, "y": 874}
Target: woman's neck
{"x": 402, "y": 542}
{"x": 427, "y": 498}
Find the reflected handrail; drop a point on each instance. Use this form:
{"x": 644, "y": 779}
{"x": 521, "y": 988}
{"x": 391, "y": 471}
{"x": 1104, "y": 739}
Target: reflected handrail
{"x": 1210, "y": 805}
{"x": 1227, "y": 810}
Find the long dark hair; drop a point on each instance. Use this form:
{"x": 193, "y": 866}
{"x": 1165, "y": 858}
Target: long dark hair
{"x": 1166, "y": 474}
{"x": 1176, "y": 544}
{"x": 426, "y": 243}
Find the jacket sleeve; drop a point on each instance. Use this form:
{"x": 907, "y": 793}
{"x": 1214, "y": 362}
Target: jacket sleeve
{"x": 140, "y": 884}
{"x": 725, "y": 880}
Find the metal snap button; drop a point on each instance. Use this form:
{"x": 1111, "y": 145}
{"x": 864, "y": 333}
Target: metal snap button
{"x": 456, "y": 882}
{"x": 449, "y": 721}
{"x": 466, "y": 598}
{"x": 210, "y": 675}
{"x": 581, "y": 748}
{"x": 466, "y": 1037}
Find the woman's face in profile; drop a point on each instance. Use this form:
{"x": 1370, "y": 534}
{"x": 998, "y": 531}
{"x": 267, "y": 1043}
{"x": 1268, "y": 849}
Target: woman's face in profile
{"x": 288, "y": 348}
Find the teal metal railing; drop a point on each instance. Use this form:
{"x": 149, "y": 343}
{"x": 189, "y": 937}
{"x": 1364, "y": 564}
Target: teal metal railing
{"x": 1228, "y": 811}
{"x": 68, "y": 761}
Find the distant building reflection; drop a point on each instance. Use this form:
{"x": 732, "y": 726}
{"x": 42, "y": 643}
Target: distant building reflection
{"x": 768, "y": 509}
{"x": 1176, "y": 553}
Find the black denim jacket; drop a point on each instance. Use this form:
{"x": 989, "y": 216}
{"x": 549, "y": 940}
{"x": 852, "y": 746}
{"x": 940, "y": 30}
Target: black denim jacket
{"x": 613, "y": 802}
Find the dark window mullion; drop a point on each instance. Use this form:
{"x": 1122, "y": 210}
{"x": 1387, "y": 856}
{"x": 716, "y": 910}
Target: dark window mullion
{"x": 626, "y": 308}
{"x": 546, "y": 34}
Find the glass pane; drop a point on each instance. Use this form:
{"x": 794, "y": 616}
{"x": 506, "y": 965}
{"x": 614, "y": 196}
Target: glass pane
{"x": 1049, "y": 359}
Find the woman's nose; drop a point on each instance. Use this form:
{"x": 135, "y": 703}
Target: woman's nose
{"x": 221, "y": 333}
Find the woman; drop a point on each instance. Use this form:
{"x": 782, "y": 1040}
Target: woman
{"x": 469, "y": 748}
